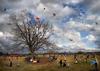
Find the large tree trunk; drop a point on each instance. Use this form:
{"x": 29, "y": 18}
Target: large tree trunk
{"x": 32, "y": 52}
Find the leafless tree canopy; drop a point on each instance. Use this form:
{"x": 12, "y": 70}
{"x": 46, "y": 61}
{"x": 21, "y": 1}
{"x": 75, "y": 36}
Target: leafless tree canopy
{"x": 34, "y": 36}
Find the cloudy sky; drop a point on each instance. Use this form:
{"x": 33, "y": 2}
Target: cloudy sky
{"x": 75, "y": 22}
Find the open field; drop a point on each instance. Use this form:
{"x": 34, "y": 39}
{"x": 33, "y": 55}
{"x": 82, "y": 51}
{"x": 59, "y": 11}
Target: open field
{"x": 21, "y": 65}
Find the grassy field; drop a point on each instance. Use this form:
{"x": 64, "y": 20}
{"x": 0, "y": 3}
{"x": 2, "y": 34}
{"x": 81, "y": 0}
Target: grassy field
{"x": 22, "y": 65}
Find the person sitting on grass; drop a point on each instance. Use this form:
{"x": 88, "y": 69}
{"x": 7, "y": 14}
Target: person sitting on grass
{"x": 76, "y": 59}
{"x": 64, "y": 63}
{"x": 50, "y": 58}
{"x": 38, "y": 60}
{"x": 31, "y": 60}
{"x": 94, "y": 63}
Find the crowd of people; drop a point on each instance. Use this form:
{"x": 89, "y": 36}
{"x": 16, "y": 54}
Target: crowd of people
{"x": 90, "y": 59}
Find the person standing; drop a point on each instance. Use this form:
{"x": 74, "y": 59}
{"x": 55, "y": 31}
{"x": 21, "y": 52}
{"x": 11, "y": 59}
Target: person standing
{"x": 10, "y": 63}
{"x": 60, "y": 62}
{"x": 87, "y": 57}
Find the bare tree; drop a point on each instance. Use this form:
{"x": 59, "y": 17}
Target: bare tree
{"x": 33, "y": 35}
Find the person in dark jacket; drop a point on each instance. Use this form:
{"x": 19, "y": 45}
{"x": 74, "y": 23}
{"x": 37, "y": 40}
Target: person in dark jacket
{"x": 60, "y": 62}
{"x": 64, "y": 63}
{"x": 10, "y": 63}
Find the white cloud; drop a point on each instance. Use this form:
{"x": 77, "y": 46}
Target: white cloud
{"x": 4, "y": 18}
{"x": 74, "y": 35}
{"x": 74, "y": 1}
{"x": 6, "y": 35}
{"x": 1, "y": 34}
{"x": 92, "y": 5}
{"x": 79, "y": 25}
{"x": 69, "y": 40}
{"x": 41, "y": 7}
{"x": 91, "y": 37}
{"x": 62, "y": 36}
{"x": 67, "y": 11}
{"x": 91, "y": 17}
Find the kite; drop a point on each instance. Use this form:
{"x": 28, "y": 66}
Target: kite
{"x": 44, "y": 8}
{"x": 5, "y": 9}
{"x": 96, "y": 23}
{"x": 37, "y": 17}
{"x": 54, "y": 14}
{"x": 70, "y": 39}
